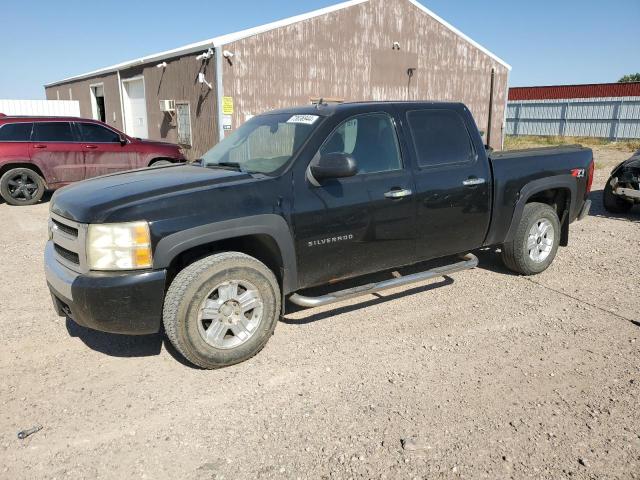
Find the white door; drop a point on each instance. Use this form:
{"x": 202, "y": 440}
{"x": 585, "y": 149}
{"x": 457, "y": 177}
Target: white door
{"x": 135, "y": 108}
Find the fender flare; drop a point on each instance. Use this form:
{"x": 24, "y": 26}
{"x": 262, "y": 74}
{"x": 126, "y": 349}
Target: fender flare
{"x": 272, "y": 225}
{"x": 558, "y": 181}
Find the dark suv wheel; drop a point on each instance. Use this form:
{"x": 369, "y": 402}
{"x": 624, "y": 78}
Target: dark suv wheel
{"x": 21, "y": 186}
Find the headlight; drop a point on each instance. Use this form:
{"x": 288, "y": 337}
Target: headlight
{"x": 119, "y": 246}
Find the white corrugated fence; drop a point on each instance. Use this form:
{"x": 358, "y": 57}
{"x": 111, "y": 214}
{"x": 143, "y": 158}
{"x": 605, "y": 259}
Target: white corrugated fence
{"x": 616, "y": 118}
{"x": 67, "y": 108}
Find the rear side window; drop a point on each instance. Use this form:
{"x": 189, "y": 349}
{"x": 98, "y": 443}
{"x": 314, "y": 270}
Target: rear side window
{"x": 370, "y": 139}
{"x": 15, "y": 132}
{"x": 440, "y": 137}
{"x": 92, "y": 132}
{"x": 53, "y": 132}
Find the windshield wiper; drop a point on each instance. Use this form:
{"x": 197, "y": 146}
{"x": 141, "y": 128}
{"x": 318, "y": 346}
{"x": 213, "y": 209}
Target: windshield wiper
{"x": 227, "y": 166}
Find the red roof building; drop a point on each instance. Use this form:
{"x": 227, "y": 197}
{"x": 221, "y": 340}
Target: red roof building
{"x": 592, "y": 90}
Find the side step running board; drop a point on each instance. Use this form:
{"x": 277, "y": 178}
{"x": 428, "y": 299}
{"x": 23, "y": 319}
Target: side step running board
{"x": 469, "y": 261}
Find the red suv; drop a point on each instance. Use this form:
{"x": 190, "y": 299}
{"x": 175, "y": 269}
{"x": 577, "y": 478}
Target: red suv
{"x": 45, "y": 153}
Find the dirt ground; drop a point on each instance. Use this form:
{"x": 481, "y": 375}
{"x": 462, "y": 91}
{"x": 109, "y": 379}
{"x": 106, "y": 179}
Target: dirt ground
{"x": 482, "y": 375}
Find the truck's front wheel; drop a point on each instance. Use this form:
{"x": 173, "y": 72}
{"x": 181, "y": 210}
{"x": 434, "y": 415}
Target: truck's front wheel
{"x": 222, "y": 310}
{"x": 536, "y": 240}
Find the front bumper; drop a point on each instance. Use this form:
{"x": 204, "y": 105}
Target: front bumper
{"x": 127, "y": 303}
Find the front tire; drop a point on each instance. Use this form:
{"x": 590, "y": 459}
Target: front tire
{"x": 536, "y": 241}
{"x": 222, "y": 310}
{"x": 21, "y": 186}
{"x": 612, "y": 202}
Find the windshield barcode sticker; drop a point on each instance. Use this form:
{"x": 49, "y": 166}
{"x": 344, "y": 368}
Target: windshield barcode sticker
{"x": 306, "y": 119}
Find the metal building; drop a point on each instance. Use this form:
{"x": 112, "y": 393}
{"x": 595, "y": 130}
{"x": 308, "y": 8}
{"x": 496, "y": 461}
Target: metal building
{"x": 603, "y": 110}
{"x": 356, "y": 50}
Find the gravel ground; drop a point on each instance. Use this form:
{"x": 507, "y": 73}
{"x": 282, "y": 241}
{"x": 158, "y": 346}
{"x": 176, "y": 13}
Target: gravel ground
{"x": 482, "y": 375}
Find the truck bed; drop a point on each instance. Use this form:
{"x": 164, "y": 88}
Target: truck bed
{"x": 515, "y": 169}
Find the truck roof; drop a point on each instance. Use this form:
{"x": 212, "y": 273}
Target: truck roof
{"x": 326, "y": 110}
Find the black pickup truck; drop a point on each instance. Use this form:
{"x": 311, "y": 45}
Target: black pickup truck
{"x": 300, "y": 198}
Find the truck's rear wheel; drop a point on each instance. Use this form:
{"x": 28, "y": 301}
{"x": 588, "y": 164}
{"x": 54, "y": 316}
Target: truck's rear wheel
{"x": 535, "y": 243}
{"x": 612, "y": 202}
{"x": 222, "y": 310}
{"x": 21, "y": 186}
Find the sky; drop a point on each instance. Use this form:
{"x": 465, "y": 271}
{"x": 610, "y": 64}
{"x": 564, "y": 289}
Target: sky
{"x": 546, "y": 42}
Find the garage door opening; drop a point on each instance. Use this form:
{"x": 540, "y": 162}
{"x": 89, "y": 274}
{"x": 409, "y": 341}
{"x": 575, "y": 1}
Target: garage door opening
{"x": 135, "y": 107}
{"x": 97, "y": 102}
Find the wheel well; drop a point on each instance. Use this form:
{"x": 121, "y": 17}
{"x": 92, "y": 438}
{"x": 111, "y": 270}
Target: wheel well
{"x": 259, "y": 246}
{"x": 560, "y": 200}
{"x": 154, "y": 160}
{"x": 5, "y": 168}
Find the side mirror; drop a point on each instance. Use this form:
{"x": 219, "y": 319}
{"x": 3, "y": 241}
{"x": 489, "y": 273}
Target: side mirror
{"x": 332, "y": 165}
{"x": 123, "y": 140}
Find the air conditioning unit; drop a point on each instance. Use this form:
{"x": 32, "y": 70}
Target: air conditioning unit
{"x": 168, "y": 106}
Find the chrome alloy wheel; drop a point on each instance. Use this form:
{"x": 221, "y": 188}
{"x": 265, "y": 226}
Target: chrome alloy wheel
{"x": 230, "y": 314}
{"x": 540, "y": 240}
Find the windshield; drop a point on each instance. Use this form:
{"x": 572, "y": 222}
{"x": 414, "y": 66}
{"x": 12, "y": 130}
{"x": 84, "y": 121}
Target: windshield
{"x": 264, "y": 144}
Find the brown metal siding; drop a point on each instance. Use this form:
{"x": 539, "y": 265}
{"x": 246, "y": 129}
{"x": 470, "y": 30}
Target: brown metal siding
{"x": 80, "y": 91}
{"x": 179, "y": 82}
{"x": 349, "y": 54}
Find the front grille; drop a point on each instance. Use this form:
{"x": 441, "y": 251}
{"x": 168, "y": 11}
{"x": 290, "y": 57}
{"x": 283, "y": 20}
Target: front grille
{"x": 67, "y": 254}
{"x": 65, "y": 228}
{"x": 69, "y": 238}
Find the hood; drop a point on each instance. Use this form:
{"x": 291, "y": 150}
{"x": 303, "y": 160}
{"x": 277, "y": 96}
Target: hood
{"x": 95, "y": 200}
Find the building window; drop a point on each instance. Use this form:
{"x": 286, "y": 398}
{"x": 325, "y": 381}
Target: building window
{"x": 183, "y": 116}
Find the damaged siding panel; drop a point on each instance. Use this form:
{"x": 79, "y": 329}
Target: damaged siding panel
{"x": 349, "y": 54}
{"x": 324, "y": 56}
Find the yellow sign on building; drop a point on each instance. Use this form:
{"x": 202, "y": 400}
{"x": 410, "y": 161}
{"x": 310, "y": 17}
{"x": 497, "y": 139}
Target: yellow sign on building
{"x": 227, "y": 105}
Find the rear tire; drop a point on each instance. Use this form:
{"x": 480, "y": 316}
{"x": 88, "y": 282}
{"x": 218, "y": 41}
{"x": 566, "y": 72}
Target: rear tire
{"x": 536, "y": 241}
{"x": 612, "y": 202}
{"x": 222, "y": 310}
{"x": 21, "y": 186}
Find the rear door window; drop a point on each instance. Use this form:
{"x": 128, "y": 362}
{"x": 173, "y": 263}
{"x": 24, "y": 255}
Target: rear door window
{"x": 94, "y": 133}
{"x": 440, "y": 137}
{"x": 53, "y": 132}
{"x": 15, "y": 132}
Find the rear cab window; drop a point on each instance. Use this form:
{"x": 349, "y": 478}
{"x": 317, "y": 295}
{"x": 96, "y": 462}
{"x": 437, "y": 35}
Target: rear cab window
{"x": 53, "y": 132}
{"x": 440, "y": 137}
{"x": 16, "y": 132}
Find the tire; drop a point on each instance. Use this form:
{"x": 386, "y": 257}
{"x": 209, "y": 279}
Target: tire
{"x": 531, "y": 251}
{"x": 216, "y": 336}
{"x": 160, "y": 163}
{"x": 21, "y": 186}
{"x": 613, "y": 203}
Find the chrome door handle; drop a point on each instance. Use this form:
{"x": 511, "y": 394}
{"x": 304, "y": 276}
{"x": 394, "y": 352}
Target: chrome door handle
{"x": 398, "y": 193}
{"x": 473, "y": 181}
